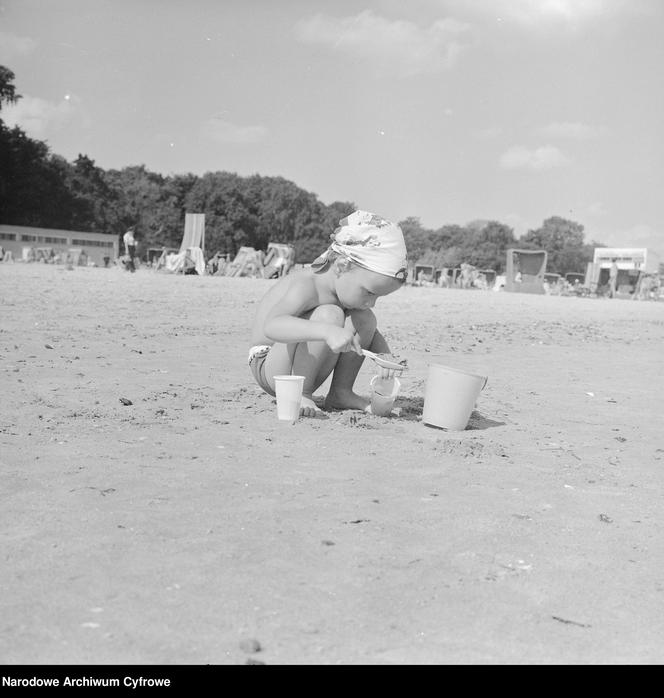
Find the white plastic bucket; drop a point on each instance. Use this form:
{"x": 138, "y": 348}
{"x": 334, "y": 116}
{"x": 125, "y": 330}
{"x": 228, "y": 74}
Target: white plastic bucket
{"x": 383, "y": 394}
{"x": 450, "y": 396}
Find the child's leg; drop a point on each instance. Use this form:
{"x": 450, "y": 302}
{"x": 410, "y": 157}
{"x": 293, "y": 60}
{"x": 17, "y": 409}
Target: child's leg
{"x": 313, "y": 360}
{"x": 341, "y": 395}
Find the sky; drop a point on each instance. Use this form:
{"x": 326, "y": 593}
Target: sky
{"x": 450, "y": 111}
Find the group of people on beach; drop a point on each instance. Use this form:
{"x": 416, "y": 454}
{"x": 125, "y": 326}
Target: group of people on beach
{"x": 48, "y": 255}
{"x": 646, "y": 287}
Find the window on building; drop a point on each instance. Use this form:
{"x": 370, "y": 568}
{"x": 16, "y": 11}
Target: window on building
{"x": 92, "y": 243}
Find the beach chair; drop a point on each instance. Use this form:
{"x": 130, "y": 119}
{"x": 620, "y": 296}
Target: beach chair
{"x": 279, "y": 260}
{"x": 525, "y": 270}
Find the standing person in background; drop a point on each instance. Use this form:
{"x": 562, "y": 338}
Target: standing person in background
{"x": 613, "y": 278}
{"x": 130, "y": 248}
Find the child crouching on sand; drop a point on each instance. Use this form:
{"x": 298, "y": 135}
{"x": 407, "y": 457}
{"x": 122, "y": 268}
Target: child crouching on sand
{"x": 317, "y": 320}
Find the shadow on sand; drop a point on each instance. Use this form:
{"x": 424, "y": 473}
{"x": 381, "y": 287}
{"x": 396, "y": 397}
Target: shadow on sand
{"x": 479, "y": 421}
{"x": 412, "y": 408}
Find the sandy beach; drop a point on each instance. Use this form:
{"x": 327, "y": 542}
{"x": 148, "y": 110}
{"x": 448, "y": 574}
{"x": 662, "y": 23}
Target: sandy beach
{"x": 192, "y": 527}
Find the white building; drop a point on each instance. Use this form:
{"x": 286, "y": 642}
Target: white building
{"x": 638, "y": 258}
{"x": 21, "y": 239}
{"x": 631, "y": 263}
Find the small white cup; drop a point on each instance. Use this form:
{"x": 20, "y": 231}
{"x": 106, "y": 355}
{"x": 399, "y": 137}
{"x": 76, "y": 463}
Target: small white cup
{"x": 289, "y": 397}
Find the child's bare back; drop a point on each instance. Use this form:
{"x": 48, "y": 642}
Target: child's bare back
{"x": 302, "y": 281}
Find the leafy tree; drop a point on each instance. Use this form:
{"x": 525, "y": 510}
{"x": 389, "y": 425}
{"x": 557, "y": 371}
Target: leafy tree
{"x": 7, "y": 90}
{"x": 229, "y": 220}
{"x": 449, "y": 257}
{"x": 417, "y": 238}
{"x": 317, "y": 238}
{"x": 490, "y": 244}
{"x": 138, "y": 196}
{"x": 449, "y": 236}
{"x": 32, "y": 187}
{"x": 170, "y": 216}
{"x": 314, "y": 238}
{"x": 286, "y": 214}
{"x": 556, "y": 233}
{"x": 93, "y": 198}
{"x": 481, "y": 243}
{"x": 563, "y": 241}
{"x": 257, "y": 210}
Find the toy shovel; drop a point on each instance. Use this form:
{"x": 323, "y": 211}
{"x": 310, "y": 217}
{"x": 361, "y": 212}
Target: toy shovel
{"x": 384, "y": 363}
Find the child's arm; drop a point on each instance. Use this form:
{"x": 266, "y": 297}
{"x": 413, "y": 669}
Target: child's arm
{"x": 284, "y": 322}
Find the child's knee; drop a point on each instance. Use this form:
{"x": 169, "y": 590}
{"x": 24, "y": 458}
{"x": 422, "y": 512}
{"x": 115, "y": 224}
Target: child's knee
{"x": 332, "y": 314}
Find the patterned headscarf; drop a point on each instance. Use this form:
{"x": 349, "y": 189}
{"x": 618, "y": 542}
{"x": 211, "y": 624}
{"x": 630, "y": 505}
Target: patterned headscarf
{"x": 371, "y": 242}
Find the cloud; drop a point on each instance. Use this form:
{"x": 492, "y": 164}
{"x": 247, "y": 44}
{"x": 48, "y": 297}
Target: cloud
{"x": 517, "y": 222}
{"x": 538, "y": 12}
{"x": 567, "y": 129}
{"x": 222, "y": 131}
{"x": 571, "y": 11}
{"x": 12, "y": 45}
{"x": 597, "y": 208}
{"x": 543, "y": 16}
{"x": 543, "y": 158}
{"x": 489, "y": 132}
{"x": 391, "y": 46}
{"x": 38, "y": 117}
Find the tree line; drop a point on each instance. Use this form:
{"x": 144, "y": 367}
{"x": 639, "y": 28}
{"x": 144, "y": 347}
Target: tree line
{"x": 42, "y": 189}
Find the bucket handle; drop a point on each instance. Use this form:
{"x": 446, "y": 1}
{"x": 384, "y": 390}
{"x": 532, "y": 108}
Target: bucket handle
{"x": 486, "y": 380}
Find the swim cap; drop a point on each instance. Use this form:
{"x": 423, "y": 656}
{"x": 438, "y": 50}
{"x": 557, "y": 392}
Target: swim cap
{"x": 371, "y": 242}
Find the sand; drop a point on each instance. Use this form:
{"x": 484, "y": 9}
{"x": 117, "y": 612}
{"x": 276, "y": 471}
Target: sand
{"x": 155, "y": 511}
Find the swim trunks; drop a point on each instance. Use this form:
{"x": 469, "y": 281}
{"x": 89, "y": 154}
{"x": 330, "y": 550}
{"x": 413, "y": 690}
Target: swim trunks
{"x": 257, "y": 356}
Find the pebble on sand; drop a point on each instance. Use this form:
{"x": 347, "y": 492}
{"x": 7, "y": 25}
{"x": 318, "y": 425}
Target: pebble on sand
{"x": 250, "y": 645}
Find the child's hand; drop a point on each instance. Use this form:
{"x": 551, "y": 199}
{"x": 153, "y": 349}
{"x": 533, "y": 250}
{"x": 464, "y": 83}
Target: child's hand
{"x": 340, "y": 339}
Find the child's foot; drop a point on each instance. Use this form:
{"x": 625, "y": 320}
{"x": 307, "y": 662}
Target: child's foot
{"x": 308, "y": 407}
{"x": 346, "y": 400}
